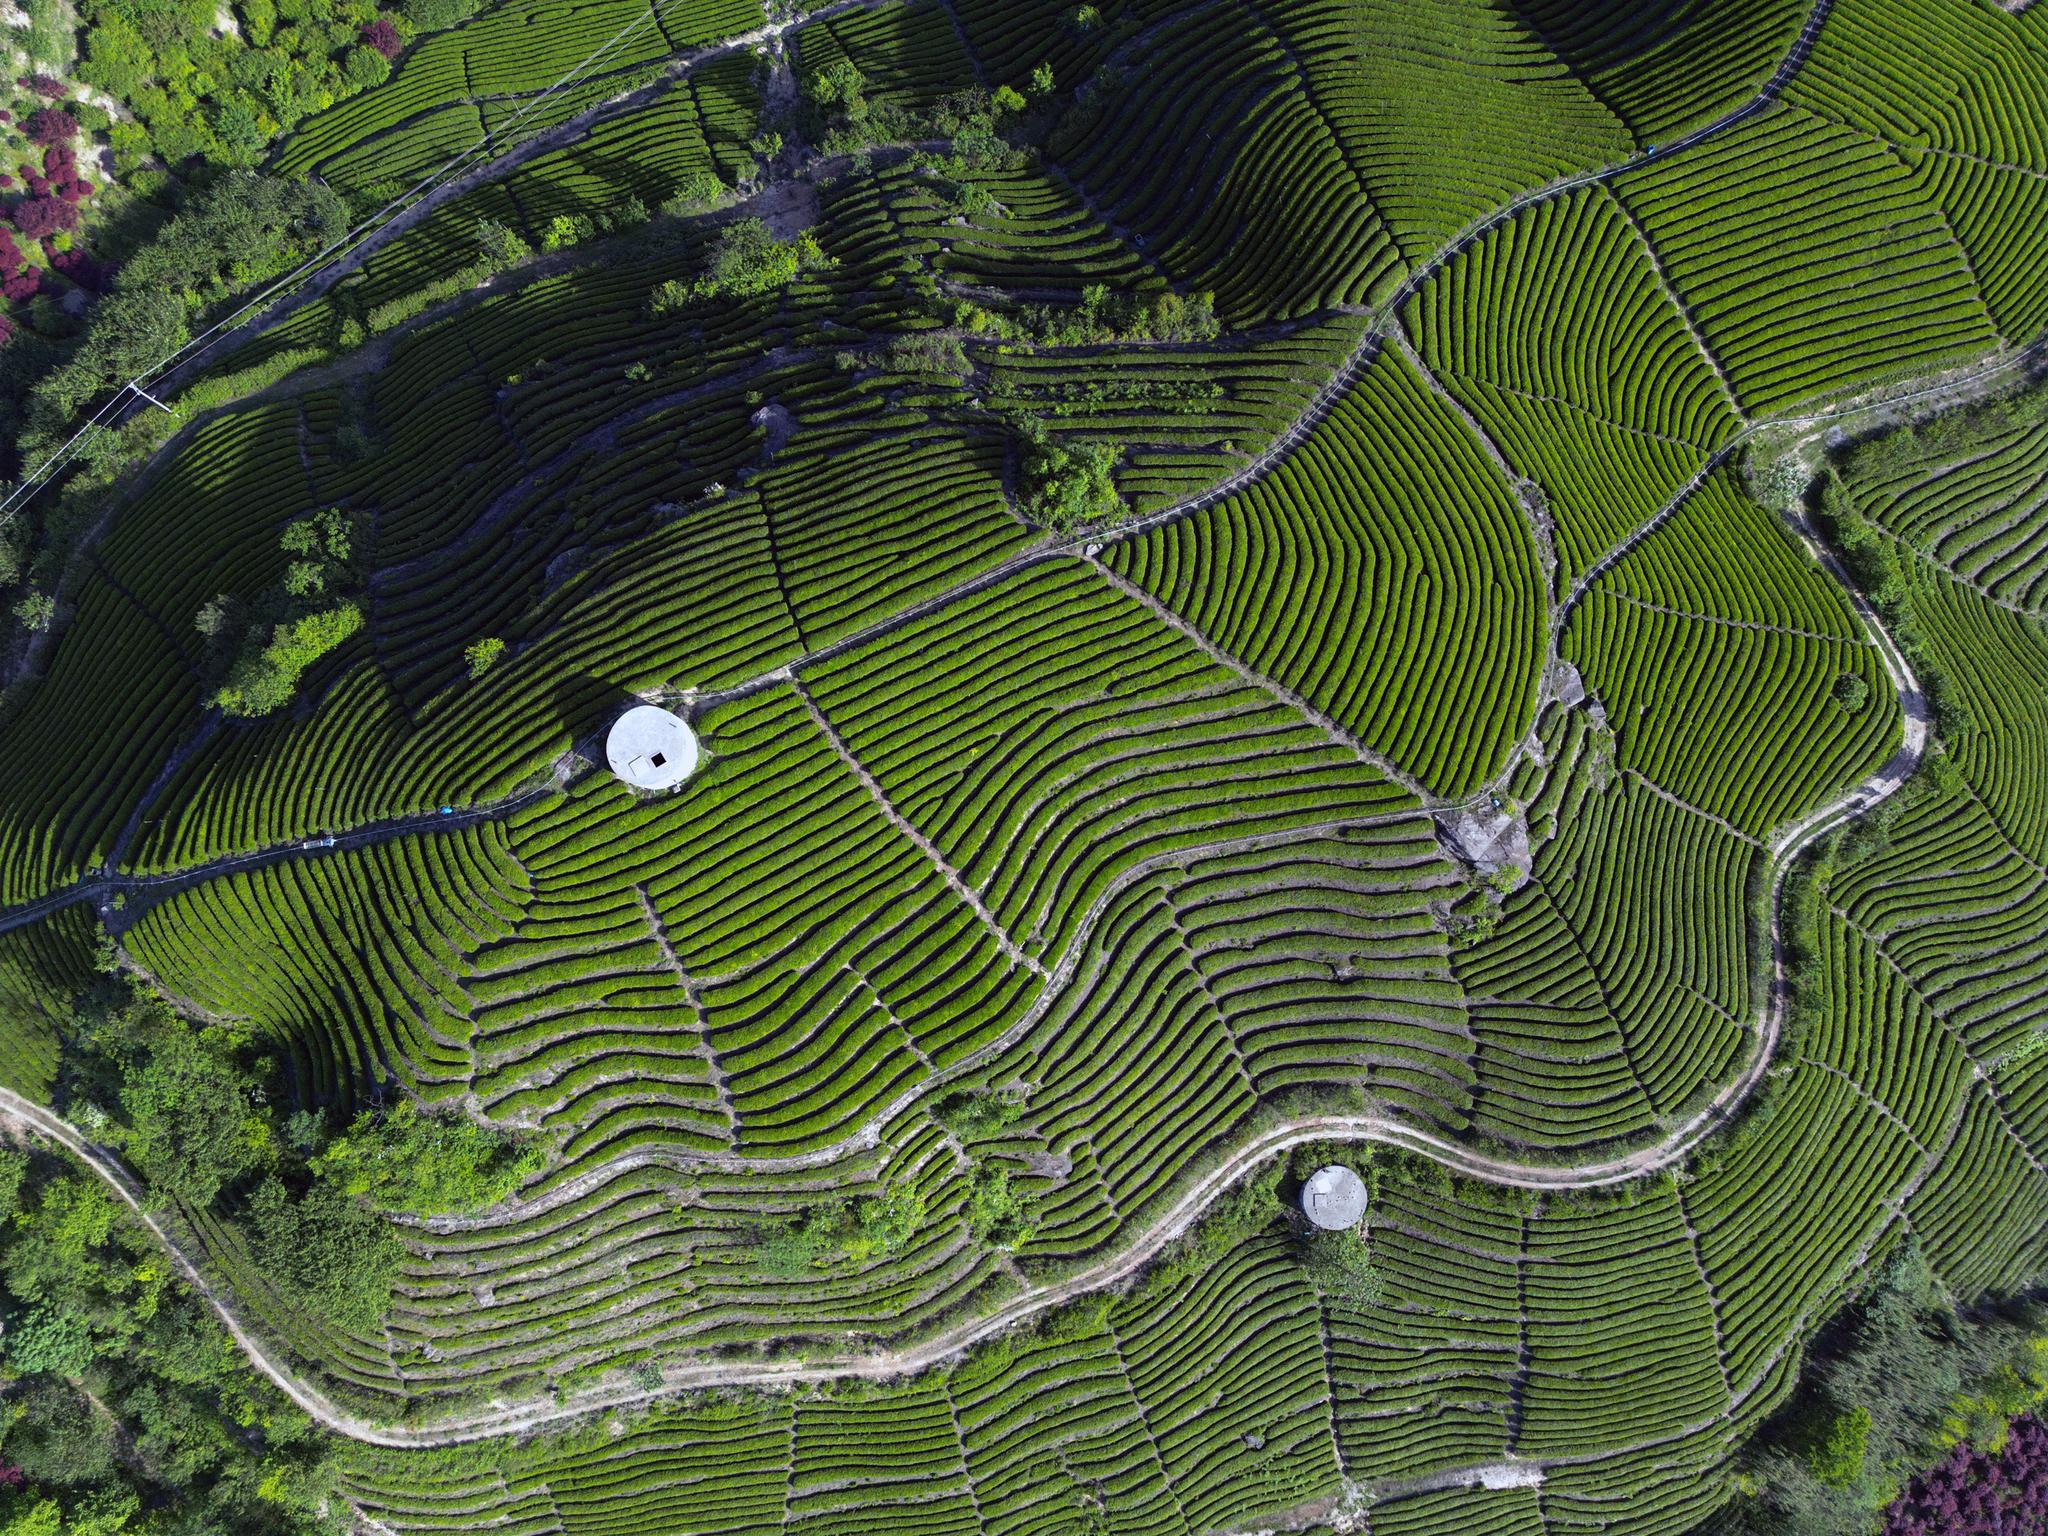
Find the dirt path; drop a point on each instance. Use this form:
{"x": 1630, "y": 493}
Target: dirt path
{"x": 1033, "y": 1301}
{"x": 1668, "y": 1152}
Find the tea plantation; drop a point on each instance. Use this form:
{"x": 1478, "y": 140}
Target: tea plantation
{"x": 1457, "y": 587}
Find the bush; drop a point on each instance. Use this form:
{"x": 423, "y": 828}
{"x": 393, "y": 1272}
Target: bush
{"x": 483, "y": 654}
{"x": 1835, "y": 1452}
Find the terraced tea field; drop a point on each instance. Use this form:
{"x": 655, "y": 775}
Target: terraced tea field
{"x": 1454, "y": 588}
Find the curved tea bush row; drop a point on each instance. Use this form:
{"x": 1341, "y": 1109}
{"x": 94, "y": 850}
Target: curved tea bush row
{"x": 1300, "y": 969}
{"x": 1113, "y": 1406}
{"x": 1718, "y": 651}
{"x": 1559, "y": 335}
{"x": 42, "y": 967}
{"x": 1448, "y": 110}
{"x": 426, "y": 111}
{"x": 1615, "y": 986}
{"x": 120, "y": 687}
{"x": 1050, "y": 732}
{"x": 824, "y": 960}
{"x": 1964, "y": 496}
{"x": 1382, "y": 572}
{"x": 1038, "y": 235}
{"x": 348, "y": 963}
{"x": 1269, "y": 215}
{"x": 1961, "y": 94}
{"x": 1809, "y": 258}
{"x": 1183, "y": 418}
{"x": 907, "y": 51}
{"x": 1663, "y": 66}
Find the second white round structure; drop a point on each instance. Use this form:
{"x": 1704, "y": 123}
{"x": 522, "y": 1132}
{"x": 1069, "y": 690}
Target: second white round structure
{"x": 1334, "y": 1198}
{"x": 650, "y": 748}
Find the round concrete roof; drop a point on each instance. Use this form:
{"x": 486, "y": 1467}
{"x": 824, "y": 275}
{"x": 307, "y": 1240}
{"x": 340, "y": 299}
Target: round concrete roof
{"x": 650, "y": 748}
{"x": 1334, "y": 1197}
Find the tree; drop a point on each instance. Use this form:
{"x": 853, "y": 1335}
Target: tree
{"x": 50, "y": 1339}
{"x": 501, "y": 246}
{"x": 58, "y": 1438}
{"x": 840, "y": 84}
{"x": 381, "y": 35}
{"x": 402, "y": 1159}
{"x": 192, "y": 1126}
{"x": 1836, "y": 1449}
{"x": 264, "y": 679}
{"x": 1851, "y": 692}
{"x": 35, "y": 610}
{"x": 365, "y": 67}
{"x": 50, "y": 125}
{"x": 212, "y": 617}
{"x": 483, "y": 654}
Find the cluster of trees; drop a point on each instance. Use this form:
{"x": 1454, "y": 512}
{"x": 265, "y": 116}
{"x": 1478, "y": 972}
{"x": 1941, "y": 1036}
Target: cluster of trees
{"x": 1977, "y": 1492}
{"x": 124, "y": 1407}
{"x": 833, "y": 1230}
{"x": 1873, "y": 558}
{"x": 746, "y": 260}
{"x": 239, "y": 232}
{"x": 840, "y": 119}
{"x": 1065, "y": 485}
{"x": 193, "y": 1112}
{"x": 1101, "y": 317}
{"x": 400, "y": 1159}
{"x": 1901, "y": 1380}
{"x": 221, "y": 95}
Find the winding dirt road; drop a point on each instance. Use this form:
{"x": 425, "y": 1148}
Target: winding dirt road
{"x": 1666, "y": 1153}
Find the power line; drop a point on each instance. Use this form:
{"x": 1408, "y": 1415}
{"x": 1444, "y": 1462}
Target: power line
{"x": 110, "y": 412}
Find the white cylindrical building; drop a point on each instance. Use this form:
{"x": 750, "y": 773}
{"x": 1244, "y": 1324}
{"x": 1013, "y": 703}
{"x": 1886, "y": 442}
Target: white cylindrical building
{"x": 650, "y": 748}
{"x": 1334, "y": 1198}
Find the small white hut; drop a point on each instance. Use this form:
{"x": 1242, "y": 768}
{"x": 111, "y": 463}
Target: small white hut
{"x": 1334, "y": 1198}
{"x": 650, "y": 748}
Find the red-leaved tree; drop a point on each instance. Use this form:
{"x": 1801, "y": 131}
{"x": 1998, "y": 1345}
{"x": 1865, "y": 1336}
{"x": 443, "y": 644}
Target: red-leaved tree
{"x": 383, "y": 36}
{"x": 50, "y": 125}
{"x": 1972, "y": 1493}
{"x": 40, "y": 217}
